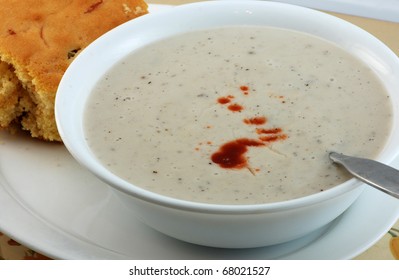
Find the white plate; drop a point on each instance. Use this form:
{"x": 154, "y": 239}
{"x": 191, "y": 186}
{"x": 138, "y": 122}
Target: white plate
{"x": 52, "y": 205}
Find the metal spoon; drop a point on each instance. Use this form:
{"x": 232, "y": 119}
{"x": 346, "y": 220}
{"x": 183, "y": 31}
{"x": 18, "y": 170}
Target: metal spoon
{"x": 373, "y": 173}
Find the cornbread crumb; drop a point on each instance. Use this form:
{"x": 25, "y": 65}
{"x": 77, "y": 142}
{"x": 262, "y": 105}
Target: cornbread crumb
{"x": 38, "y": 41}
{"x": 126, "y": 8}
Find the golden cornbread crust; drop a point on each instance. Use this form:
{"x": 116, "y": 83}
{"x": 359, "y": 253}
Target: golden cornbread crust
{"x": 38, "y": 41}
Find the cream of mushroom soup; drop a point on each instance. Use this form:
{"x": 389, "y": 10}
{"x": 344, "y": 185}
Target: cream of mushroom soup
{"x": 236, "y": 115}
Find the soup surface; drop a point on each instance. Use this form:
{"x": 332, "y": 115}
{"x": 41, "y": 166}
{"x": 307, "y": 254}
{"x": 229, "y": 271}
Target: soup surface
{"x": 236, "y": 115}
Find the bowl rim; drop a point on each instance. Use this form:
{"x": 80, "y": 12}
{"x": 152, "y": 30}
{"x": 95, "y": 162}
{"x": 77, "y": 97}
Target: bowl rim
{"x": 67, "y": 122}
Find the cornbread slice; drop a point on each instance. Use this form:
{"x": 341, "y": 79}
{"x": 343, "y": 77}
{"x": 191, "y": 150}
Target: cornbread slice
{"x": 38, "y": 41}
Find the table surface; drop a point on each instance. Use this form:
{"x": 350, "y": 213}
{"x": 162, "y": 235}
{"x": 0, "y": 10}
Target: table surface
{"x": 387, "y": 248}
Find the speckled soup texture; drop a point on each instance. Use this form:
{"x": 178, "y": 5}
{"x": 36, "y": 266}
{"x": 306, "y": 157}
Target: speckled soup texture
{"x": 236, "y": 115}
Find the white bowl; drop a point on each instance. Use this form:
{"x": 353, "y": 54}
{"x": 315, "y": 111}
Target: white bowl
{"x": 229, "y": 226}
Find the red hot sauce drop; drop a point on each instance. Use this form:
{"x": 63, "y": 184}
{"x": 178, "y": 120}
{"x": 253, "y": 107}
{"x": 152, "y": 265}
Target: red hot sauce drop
{"x": 269, "y": 131}
{"x": 255, "y": 121}
{"x": 225, "y": 99}
{"x": 235, "y": 107}
{"x": 232, "y": 154}
{"x": 244, "y": 90}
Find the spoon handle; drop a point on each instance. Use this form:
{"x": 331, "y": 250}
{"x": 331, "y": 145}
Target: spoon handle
{"x": 373, "y": 173}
